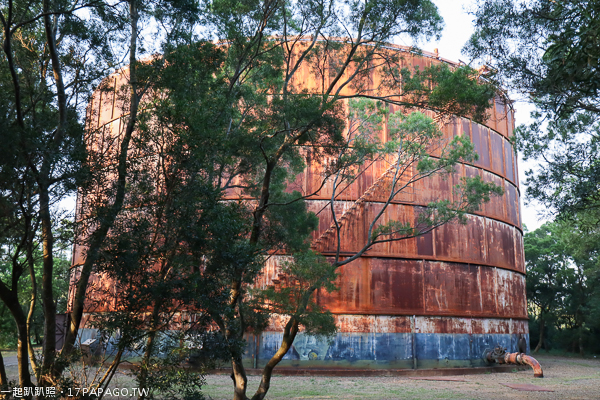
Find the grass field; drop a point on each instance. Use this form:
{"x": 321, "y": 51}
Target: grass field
{"x": 569, "y": 378}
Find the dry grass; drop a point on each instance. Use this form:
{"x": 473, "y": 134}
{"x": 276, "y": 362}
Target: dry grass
{"x": 570, "y": 378}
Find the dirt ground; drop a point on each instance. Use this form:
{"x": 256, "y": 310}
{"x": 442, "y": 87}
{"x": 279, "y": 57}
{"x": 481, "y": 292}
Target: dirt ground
{"x": 569, "y": 378}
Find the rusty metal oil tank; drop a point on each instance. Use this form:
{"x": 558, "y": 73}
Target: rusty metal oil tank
{"x": 439, "y": 300}
{"x": 436, "y": 301}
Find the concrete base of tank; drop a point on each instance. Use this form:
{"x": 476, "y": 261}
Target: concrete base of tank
{"x": 381, "y": 343}
{"x": 388, "y": 350}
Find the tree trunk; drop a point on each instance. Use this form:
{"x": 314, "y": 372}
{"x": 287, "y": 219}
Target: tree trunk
{"x": 49, "y": 349}
{"x": 23, "y": 354}
{"x": 539, "y": 345}
{"x": 11, "y": 300}
{"x": 99, "y": 235}
{"x": 289, "y": 334}
{"x": 32, "y": 303}
{"x": 240, "y": 380}
{"x": 3, "y": 378}
{"x": 143, "y": 376}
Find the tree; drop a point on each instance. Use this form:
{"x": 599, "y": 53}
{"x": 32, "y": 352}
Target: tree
{"x": 264, "y": 123}
{"x": 548, "y": 51}
{"x": 583, "y": 302}
{"x": 36, "y": 316}
{"x": 547, "y": 264}
{"x": 40, "y": 128}
{"x": 561, "y": 283}
{"x": 53, "y": 55}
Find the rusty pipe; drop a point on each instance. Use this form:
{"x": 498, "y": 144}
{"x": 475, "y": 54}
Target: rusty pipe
{"x": 524, "y": 359}
{"x": 500, "y": 356}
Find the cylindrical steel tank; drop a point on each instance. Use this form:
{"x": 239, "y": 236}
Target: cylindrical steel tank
{"x": 439, "y": 300}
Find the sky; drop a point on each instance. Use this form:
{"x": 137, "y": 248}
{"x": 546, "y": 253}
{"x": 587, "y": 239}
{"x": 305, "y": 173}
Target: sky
{"x": 458, "y": 29}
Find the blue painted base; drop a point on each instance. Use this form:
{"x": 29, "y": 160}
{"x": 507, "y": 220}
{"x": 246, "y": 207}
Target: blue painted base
{"x": 383, "y": 350}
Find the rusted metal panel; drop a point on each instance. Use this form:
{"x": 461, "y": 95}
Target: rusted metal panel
{"x": 487, "y": 291}
{"x": 353, "y": 289}
{"x": 466, "y": 127}
{"x": 500, "y": 244}
{"x": 510, "y": 117}
{"x": 434, "y": 188}
{"x": 443, "y": 325}
{"x": 425, "y": 245}
{"x": 448, "y": 288}
{"x": 271, "y": 270}
{"x": 404, "y": 287}
{"x": 510, "y": 297}
{"x": 471, "y": 172}
{"x": 512, "y": 204}
{"x": 354, "y": 230}
{"x": 490, "y": 325}
{"x": 517, "y": 172}
{"x": 396, "y": 285}
{"x": 373, "y": 323}
{"x": 501, "y": 120}
{"x": 519, "y": 326}
{"x": 497, "y": 148}
{"x": 509, "y": 171}
{"x": 459, "y": 242}
{"x": 519, "y": 252}
{"x": 352, "y": 323}
{"x": 494, "y": 208}
{"x": 78, "y": 257}
{"x": 480, "y": 138}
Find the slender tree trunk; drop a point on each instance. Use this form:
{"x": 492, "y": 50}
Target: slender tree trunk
{"x": 32, "y": 303}
{"x": 289, "y": 334}
{"x": 49, "y": 307}
{"x": 98, "y": 236}
{"x": 110, "y": 372}
{"x": 23, "y": 353}
{"x": 150, "y": 342}
{"x": 240, "y": 380}
{"x": 539, "y": 345}
{"x": 3, "y": 378}
{"x": 143, "y": 376}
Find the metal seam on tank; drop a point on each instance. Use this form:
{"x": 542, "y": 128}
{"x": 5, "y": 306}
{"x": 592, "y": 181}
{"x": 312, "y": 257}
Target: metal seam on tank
{"x": 423, "y": 258}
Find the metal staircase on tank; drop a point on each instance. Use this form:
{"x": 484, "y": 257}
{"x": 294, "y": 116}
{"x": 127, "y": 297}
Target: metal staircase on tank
{"x": 356, "y": 207}
{"x": 369, "y": 195}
